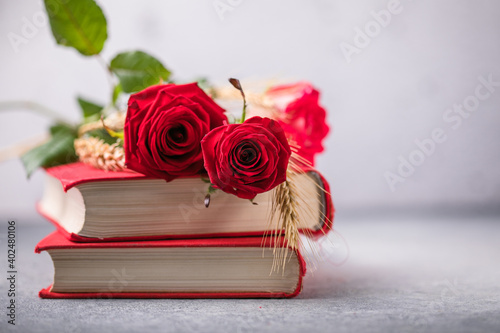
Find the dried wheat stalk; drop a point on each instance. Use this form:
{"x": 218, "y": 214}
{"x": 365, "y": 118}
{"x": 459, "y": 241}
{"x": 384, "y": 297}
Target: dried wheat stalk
{"x": 114, "y": 121}
{"x": 287, "y": 199}
{"x": 285, "y": 207}
{"x": 96, "y": 152}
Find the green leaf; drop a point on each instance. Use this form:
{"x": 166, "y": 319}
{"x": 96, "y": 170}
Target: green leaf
{"x": 116, "y": 92}
{"x": 211, "y": 189}
{"x": 63, "y": 127}
{"x": 205, "y": 180}
{"x": 78, "y": 23}
{"x": 205, "y": 84}
{"x": 90, "y": 110}
{"x": 138, "y": 70}
{"x": 58, "y": 150}
{"x": 115, "y": 134}
{"x": 101, "y": 133}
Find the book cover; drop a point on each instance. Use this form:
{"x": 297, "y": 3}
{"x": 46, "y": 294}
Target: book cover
{"x": 56, "y": 241}
{"x": 72, "y": 175}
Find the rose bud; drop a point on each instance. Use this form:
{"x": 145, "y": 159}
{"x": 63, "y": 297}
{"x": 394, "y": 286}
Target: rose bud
{"x": 164, "y": 127}
{"x": 246, "y": 159}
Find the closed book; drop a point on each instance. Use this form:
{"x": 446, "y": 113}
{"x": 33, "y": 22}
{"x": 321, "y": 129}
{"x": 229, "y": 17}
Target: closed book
{"x": 192, "y": 268}
{"x": 91, "y": 205}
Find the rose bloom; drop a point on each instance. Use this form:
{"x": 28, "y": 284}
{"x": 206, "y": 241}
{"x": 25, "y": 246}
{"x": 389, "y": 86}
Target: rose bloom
{"x": 247, "y": 159}
{"x": 164, "y": 127}
{"x": 301, "y": 116}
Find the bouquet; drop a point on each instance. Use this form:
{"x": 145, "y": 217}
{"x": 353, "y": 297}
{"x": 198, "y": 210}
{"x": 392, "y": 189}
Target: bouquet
{"x": 155, "y": 125}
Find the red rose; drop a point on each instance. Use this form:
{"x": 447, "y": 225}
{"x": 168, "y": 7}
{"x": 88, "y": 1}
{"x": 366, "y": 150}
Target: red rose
{"x": 301, "y": 116}
{"x": 164, "y": 127}
{"x": 246, "y": 159}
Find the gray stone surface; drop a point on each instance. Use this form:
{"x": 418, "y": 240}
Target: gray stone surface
{"x": 412, "y": 274}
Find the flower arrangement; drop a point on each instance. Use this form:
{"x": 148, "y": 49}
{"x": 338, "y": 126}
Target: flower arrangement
{"x": 169, "y": 130}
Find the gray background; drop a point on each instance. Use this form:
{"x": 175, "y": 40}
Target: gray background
{"x": 393, "y": 92}
{"x": 394, "y": 275}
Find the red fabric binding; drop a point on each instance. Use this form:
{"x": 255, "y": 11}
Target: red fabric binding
{"x": 56, "y": 240}
{"x": 74, "y": 174}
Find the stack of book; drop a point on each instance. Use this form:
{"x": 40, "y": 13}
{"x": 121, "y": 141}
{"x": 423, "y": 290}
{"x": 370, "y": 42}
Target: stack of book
{"x": 125, "y": 235}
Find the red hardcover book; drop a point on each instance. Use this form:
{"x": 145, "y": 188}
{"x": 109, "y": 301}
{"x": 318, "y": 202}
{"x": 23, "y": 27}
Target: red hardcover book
{"x": 194, "y": 268}
{"x": 91, "y": 205}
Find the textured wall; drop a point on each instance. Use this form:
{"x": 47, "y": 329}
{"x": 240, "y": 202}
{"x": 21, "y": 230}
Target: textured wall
{"x": 385, "y": 85}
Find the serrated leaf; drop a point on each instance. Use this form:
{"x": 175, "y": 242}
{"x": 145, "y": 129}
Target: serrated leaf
{"x": 89, "y": 109}
{"x": 78, "y": 23}
{"x": 58, "y": 150}
{"x": 138, "y": 70}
